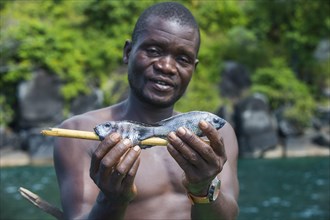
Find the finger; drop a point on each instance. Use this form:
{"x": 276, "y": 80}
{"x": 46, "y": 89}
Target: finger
{"x": 191, "y": 171}
{"x": 103, "y": 148}
{"x": 223, "y": 149}
{"x": 183, "y": 163}
{"x": 196, "y": 143}
{"x": 216, "y": 141}
{"x": 112, "y": 158}
{"x": 121, "y": 170}
{"x": 185, "y": 150}
{"x": 129, "y": 180}
{"x": 128, "y": 160}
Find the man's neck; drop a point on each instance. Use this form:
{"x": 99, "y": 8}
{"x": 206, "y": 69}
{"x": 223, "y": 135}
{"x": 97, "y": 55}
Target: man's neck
{"x": 136, "y": 110}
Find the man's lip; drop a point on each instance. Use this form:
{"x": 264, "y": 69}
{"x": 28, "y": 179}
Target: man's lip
{"x": 162, "y": 81}
{"x": 161, "y": 85}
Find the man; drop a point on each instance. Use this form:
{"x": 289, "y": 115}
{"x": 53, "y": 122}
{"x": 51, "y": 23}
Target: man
{"x": 113, "y": 179}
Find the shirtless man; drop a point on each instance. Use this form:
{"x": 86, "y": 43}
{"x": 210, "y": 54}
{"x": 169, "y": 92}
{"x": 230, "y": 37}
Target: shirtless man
{"x": 113, "y": 179}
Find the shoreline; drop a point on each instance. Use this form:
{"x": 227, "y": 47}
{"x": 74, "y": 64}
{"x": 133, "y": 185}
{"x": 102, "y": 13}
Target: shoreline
{"x": 15, "y": 158}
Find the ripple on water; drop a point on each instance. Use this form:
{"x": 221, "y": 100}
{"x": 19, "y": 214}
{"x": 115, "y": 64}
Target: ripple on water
{"x": 276, "y": 201}
{"x": 309, "y": 212}
{"x": 11, "y": 189}
{"x": 38, "y": 187}
{"x": 249, "y": 210}
{"x": 320, "y": 182}
{"x": 315, "y": 196}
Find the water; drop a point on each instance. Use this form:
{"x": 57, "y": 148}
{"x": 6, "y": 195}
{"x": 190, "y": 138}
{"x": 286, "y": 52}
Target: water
{"x": 283, "y": 189}
{"x": 40, "y": 180}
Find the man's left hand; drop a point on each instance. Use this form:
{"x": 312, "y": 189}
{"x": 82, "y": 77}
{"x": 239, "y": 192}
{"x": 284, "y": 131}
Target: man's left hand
{"x": 200, "y": 161}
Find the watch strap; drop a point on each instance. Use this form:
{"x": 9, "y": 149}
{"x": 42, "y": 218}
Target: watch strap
{"x": 198, "y": 199}
{"x": 212, "y": 194}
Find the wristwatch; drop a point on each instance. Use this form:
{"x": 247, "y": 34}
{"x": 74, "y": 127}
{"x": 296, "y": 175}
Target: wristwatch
{"x": 212, "y": 193}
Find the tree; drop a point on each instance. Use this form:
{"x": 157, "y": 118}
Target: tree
{"x": 284, "y": 90}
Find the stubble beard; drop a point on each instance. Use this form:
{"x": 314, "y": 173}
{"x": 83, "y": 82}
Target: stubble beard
{"x": 138, "y": 92}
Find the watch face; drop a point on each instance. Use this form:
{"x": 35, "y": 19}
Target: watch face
{"x": 214, "y": 189}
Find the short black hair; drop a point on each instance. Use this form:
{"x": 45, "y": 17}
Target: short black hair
{"x": 171, "y": 11}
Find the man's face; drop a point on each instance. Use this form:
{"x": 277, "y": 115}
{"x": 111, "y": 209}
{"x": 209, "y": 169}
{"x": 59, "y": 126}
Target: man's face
{"x": 161, "y": 61}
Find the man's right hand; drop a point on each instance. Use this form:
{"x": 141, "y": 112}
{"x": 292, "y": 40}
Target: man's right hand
{"x": 113, "y": 168}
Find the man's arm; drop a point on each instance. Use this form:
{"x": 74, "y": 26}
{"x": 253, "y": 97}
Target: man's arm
{"x": 225, "y": 207}
{"x": 72, "y": 162}
{"x": 201, "y": 163}
{"x": 92, "y": 176}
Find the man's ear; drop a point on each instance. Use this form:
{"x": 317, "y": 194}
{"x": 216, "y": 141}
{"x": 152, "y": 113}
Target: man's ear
{"x": 196, "y": 63}
{"x": 127, "y": 51}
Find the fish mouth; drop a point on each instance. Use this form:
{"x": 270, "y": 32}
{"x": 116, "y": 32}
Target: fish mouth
{"x": 97, "y": 132}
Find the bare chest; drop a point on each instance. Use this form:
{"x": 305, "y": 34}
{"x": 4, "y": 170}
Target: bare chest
{"x": 160, "y": 191}
{"x": 158, "y": 173}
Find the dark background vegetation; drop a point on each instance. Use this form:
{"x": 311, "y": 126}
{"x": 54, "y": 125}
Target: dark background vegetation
{"x": 81, "y": 42}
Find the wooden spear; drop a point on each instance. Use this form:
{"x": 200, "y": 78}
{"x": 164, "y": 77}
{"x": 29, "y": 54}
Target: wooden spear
{"x": 42, "y": 204}
{"x": 59, "y": 132}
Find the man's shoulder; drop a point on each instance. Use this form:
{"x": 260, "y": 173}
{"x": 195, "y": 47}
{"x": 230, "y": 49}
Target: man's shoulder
{"x": 87, "y": 120}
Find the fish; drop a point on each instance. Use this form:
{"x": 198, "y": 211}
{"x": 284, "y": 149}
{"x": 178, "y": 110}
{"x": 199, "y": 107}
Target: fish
{"x": 136, "y": 131}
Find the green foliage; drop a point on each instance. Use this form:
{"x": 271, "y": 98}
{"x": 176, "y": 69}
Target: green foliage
{"x": 293, "y": 28}
{"x": 201, "y": 94}
{"x": 73, "y": 39}
{"x": 38, "y": 36}
{"x": 81, "y": 42}
{"x": 217, "y": 16}
{"x": 215, "y": 19}
{"x": 283, "y": 89}
{"x": 6, "y": 113}
{"x": 243, "y": 46}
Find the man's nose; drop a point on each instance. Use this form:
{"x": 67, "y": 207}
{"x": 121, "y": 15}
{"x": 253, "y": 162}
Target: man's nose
{"x": 166, "y": 64}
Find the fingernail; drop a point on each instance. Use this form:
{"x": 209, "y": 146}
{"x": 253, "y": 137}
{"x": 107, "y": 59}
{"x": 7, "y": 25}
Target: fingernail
{"x": 114, "y": 136}
{"x": 171, "y": 135}
{"x": 203, "y": 124}
{"x": 136, "y": 148}
{"x": 182, "y": 131}
{"x": 127, "y": 142}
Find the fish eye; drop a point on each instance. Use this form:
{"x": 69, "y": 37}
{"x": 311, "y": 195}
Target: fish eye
{"x": 216, "y": 120}
{"x": 107, "y": 125}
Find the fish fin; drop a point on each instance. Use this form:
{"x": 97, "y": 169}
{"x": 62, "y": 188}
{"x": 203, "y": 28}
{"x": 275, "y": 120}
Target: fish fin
{"x": 138, "y": 123}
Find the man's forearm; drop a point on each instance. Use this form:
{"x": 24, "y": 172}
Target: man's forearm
{"x": 225, "y": 207}
{"x": 104, "y": 209}
{"x": 107, "y": 212}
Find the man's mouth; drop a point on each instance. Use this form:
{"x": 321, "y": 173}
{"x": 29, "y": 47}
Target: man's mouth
{"x": 162, "y": 85}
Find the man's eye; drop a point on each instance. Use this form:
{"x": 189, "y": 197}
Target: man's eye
{"x": 184, "y": 60}
{"x": 152, "y": 51}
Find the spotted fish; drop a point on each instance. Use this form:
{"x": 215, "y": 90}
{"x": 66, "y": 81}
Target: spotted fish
{"x": 136, "y": 131}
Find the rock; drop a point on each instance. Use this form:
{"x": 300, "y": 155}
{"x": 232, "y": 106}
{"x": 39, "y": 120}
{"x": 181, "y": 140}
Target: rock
{"x": 285, "y": 127}
{"x": 85, "y": 103}
{"x": 322, "y": 51}
{"x": 323, "y": 114}
{"x": 39, "y": 147}
{"x": 255, "y": 126}
{"x": 41, "y": 106}
{"x": 40, "y": 102}
{"x": 223, "y": 112}
{"x": 321, "y": 125}
{"x": 9, "y": 139}
{"x": 235, "y": 78}
{"x": 322, "y": 139}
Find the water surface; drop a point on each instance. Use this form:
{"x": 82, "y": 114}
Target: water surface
{"x": 295, "y": 188}
{"x": 283, "y": 189}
